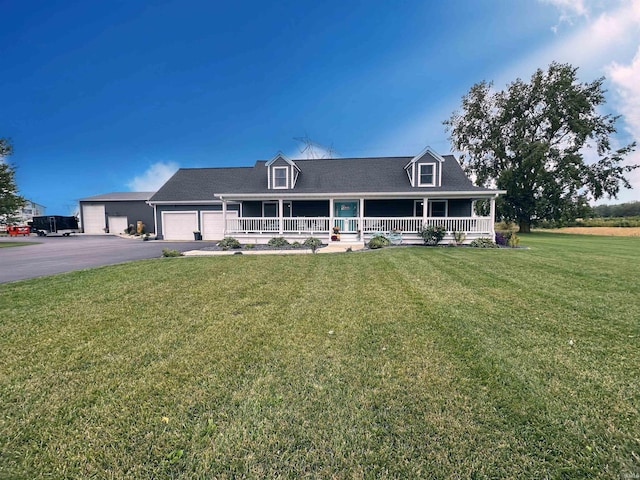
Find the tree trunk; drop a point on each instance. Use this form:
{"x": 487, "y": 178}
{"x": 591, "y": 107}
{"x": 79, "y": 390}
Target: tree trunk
{"x": 525, "y": 226}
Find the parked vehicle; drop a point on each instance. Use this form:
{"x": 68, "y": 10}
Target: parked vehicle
{"x": 14, "y": 231}
{"x": 54, "y": 224}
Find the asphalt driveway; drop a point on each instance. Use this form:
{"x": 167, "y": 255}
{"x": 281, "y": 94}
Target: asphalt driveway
{"x": 52, "y": 255}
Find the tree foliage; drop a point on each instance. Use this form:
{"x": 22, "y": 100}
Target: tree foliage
{"x": 531, "y": 140}
{"x": 629, "y": 209}
{"x": 10, "y": 201}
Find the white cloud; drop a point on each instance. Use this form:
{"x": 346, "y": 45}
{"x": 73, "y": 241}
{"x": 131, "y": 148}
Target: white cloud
{"x": 569, "y": 10}
{"x": 626, "y": 82}
{"x": 600, "y": 39}
{"x": 154, "y": 177}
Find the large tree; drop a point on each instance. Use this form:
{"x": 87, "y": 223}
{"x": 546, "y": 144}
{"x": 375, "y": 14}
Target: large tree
{"x": 531, "y": 140}
{"x": 10, "y": 201}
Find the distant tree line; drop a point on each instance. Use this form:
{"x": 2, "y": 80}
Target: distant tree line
{"x": 630, "y": 209}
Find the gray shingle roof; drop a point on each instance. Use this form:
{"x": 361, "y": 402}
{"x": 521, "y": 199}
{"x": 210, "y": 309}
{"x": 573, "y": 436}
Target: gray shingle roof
{"x": 119, "y": 197}
{"x": 317, "y": 176}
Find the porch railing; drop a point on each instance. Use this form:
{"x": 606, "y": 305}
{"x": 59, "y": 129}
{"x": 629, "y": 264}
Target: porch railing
{"x": 272, "y": 225}
{"x": 312, "y": 225}
{"x": 414, "y": 224}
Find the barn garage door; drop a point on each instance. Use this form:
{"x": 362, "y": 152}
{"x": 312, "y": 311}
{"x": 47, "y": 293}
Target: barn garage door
{"x": 93, "y": 219}
{"x": 212, "y": 225}
{"x": 118, "y": 224}
{"x": 179, "y": 225}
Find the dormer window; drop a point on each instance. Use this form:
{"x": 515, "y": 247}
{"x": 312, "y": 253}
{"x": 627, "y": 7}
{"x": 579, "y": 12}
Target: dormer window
{"x": 280, "y": 177}
{"x": 426, "y": 174}
{"x": 282, "y": 173}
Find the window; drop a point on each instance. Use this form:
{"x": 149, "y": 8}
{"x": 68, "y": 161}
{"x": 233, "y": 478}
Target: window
{"x": 438, "y": 208}
{"x": 270, "y": 209}
{"x": 418, "y": 208}
{"x": 280, "y": 177}
{"x": 426, "y": 174}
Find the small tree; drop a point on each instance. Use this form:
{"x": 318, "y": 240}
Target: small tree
{"x": 529, "y": 140}
{"x": 10, "y": 201}
{"x": 313, "y": 243}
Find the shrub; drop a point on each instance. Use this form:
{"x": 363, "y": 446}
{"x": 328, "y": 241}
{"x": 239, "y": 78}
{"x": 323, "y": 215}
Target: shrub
{"x": 502, "y": 238}
{"x": 278, "y": 242}
{"x": 228, "y": 242}
{"x": 514, "y": 240}
{"x": 296, "y": 244}
{"x": 459, "y": 237}
{"x": 166, "y": 252}
{"x": 378, "y": 241}
{"x": 249, "y": 246}
{"x": 313, "y": 243}
{"x": 432, "y": 234}
{"x": 483, "y": 243}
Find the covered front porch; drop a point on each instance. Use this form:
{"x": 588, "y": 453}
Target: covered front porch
{"x": 356, "y": 219}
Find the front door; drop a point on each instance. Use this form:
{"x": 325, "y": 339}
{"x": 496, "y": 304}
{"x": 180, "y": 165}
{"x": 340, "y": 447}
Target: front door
{"x": 346, "y": 213}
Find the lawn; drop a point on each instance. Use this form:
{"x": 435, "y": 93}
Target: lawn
{"x": 397, "y": 363}
{"x": 7, "y": 244}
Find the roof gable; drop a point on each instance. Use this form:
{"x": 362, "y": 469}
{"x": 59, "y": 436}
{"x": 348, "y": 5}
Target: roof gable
{"x": 281, "y": 158}
{"x": 429, "y": 162}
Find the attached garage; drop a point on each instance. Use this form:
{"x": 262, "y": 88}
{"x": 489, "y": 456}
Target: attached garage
{"x": 179, "y": 225}
{"x": 213, "y": 226}
{"x": 118, "y": 223}
{"x": 93, "y": 218}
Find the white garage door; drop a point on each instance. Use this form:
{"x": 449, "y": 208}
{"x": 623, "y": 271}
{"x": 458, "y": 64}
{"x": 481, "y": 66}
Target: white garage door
{"x": 179, "y": 225}
{"x": 93, "y": 219}
{"x": 118, "y": 224}
{"x": 212, "y": 225}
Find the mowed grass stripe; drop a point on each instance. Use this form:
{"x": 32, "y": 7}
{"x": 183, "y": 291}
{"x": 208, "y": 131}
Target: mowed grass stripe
{"x": 403, "y": 363}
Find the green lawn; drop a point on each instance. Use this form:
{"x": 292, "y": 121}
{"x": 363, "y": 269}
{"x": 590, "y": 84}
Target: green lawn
{"x": 397, "y": 363}
{"x": 16, "y": 244}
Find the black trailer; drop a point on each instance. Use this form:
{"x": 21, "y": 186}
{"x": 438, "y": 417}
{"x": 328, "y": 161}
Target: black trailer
{"x": 49, "y": 224}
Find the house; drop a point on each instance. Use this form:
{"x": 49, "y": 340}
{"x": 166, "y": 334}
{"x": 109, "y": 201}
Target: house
{"x": 297, "y": 199}
{"x": 23, "y": 215}
{"x": 28, "y": 211}
{"x": 114, "y": 212}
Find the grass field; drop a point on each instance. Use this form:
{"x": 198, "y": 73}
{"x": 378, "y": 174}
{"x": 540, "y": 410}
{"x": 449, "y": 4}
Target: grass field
{"x": 397, "y": 363}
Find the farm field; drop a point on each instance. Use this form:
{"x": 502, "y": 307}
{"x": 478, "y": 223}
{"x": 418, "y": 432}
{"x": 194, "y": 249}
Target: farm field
{"x": 398, "y": 363}
{"x": 608, "y": 231}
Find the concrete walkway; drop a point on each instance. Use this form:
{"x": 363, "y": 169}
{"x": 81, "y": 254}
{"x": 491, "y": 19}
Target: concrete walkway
{"x": 333, "y": 247}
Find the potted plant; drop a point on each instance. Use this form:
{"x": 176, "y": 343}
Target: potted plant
{"x": 335, "y": 236}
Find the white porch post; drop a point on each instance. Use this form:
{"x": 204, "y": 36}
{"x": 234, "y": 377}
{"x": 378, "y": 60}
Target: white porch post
{"x": 330, "y": 216}
{"x": 361, "y": 219}
{"x": 425, "y": 210}
{"x": 224, "y": 217}
{"x": 280, "y": 217}
{"x": 493, "y": 217}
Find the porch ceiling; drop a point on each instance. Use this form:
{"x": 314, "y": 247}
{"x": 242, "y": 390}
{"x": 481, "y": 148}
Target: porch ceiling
{"x": 365, "y": 195}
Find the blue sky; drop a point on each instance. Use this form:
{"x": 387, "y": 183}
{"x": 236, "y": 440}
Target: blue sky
{"x": 102, "y": 96}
